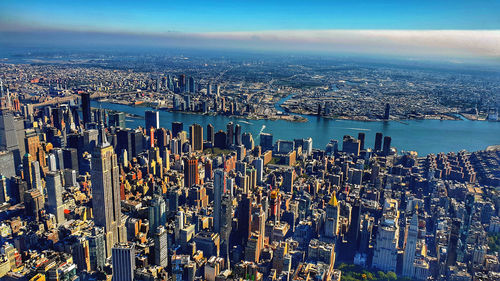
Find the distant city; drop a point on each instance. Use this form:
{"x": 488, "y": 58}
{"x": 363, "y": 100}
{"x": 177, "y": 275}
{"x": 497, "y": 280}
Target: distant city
{"x": 86, "y": 196}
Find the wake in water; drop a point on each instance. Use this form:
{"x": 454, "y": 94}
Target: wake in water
{"x": 262, "y": 129}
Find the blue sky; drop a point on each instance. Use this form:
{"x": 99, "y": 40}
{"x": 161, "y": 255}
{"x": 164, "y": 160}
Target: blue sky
{"x": 256, "y": 19}
{"x": 209, "y": 16}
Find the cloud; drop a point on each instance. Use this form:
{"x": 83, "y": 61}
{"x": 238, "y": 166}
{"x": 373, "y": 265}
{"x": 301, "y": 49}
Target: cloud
{"x": 481, "y": 43}
{"x": 484, "y": 44}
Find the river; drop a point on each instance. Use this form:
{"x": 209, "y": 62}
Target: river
{"x": 423, "y": 136}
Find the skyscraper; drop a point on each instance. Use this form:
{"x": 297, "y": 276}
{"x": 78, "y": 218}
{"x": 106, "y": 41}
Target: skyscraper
{"x": 152, "y": 119}
{"x": 161, "y": 247}
{"x": 237, "y": 134}
{"x": 106, "y": 192}
{"x": 259, "y": 166}
{"x": 411, "y": 246}
{"x": 210, "y": 134}
{"x": 86, "y": 113}
{"x": 123, "y": 261}
{"x": 386, "y": 246}
{"x": 54, "y": 195}
{"x": 378, "y": 142}
{"x": 361, "y": 138}
{"x": 266, "y": 141}
{"x": 177, "y": 127}
{"x": 157, "y": 212}
{"x": 219, "y": 190}
{"x": 247, "y": 141}
{"x": 387, "y": 113}
{"x": 230, "y": 134}
{"x": 196, "y": 137}
{"x": 191, "y": 176}
{"x": 332, "y": 217}
{"x": 387, "y": 145}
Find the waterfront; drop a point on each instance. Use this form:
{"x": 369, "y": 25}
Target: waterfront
{"x": 423, "y": 136}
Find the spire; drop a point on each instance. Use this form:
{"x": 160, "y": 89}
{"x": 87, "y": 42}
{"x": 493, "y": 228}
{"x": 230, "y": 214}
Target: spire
{"x": 333, "y": 201}
{"x": 102, "y": 140}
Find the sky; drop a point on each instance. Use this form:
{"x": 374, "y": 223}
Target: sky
{"x": 408, "y": 28}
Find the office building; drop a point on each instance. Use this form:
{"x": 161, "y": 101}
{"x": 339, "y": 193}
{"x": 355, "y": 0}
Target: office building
{"x": 123, "y": 261}
{"x": 106, "y": 204}
{"x": 266, "y": 141}
{"x": 54, "y": 195}
{"x": 191, "y": 176}
{"x": 378, "y": 142}
{"x": 196, "y": 137}
{"x": 152, "y": 119}
{"x": 117, "y": 119}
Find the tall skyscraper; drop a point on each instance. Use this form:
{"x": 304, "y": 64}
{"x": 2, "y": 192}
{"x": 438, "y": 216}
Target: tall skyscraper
{"x": 97, "y": 249}
{"x": 387, "y": 146}
{"x": 230, "y": 134}
{"x": 411, "y": 246}
{"x": 247, "y": 141}
{"x": 210, "y": 134}
{"x": 177, "y": 127}
{"x": 378, "y": 142}
{"x": 387, "y": 113}
{"x": 86, "y": 113}
{"x": 332, "y": 217}
{"x": 259, "y": 166}
{"x": 54, "y": 195}
{"x": 123, "y": 261}
{"x": 386, "y": 246}
{"x": 106, "y": 192}
{"x": 219, "y": 190}
{"x": 196, "y": 137}
{"x": 266, "y": 141}
{"x": 237, "y": 135}
{"x": 157, "y": 212}
{"x": 361, "y": 138}
{"x": 191, "y": 176}
{"x": 161, "y": 247}
{"x": 192, "y": 85}
{"x": 117, "y": 119}
{"x": 152, "y": 119}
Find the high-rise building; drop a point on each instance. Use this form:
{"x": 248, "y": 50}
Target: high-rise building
{"x": 220, "y": 139}
{"x": 192, "y": 85}
{"x": 378, "y": 142}
{"x": 361, "y": 138}
{"x": 157, "y": 212}
{"x": 152, "y": 119}
{"x": 177, "y": 127}
{"x": 266, "y": 141}
{"x": 123, "y": 261}
{"x": 86, "y": 113}
{"x": 191, "y": 176}
{"x": 247, "y": 141}
{"x": 259, "y": 166}
{"x": 226, "y": 217}
{"x": 230, "y": 134}
{"x": 161, "y": 247}
{"x": 97, "y": 249}
{"x": 387, "y": 146}
{"x": 210, "y": 134}
{"x": 387, "y": 113}
{"x": 196, "y": 137}
{"x": 106, "y": 192}
{"x": 219, "y": 190}
{"x": 54, "y": 195}
{"x": 237, "y": 134}
{"x": 411, "y": 246}
{"x": 386, "y": 245}
{"x": 351, "y": 145}
{"x": 332, "y": 217}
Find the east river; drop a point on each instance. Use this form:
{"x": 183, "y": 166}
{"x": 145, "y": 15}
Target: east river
{"x": 423, "y": 136}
